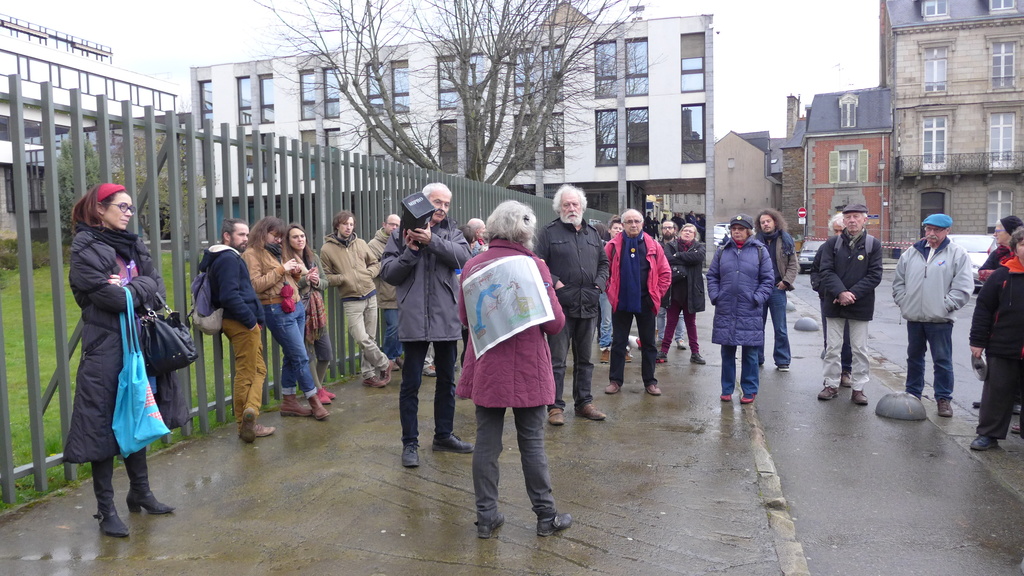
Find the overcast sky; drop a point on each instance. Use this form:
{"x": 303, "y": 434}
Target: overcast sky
{"x": 764, "y": 51}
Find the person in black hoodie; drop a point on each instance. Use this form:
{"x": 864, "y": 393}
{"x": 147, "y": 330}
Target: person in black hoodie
{"x": 231, "y": 290}
{"x": 995, "y": 330}
{"x": 106, "y": 259}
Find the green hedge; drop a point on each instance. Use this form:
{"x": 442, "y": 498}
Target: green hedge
{"x": 40, "y": 254}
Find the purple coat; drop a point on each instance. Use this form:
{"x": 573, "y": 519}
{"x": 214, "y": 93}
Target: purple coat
{"x": 517, "y": 372}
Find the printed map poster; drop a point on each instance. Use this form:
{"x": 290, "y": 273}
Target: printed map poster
{"x": 504, "y": 298}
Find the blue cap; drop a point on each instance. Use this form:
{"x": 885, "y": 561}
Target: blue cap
{"x": 938, "y": 220}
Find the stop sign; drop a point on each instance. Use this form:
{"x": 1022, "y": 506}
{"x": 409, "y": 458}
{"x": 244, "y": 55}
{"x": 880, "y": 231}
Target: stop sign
{"x": 801, "y": 212}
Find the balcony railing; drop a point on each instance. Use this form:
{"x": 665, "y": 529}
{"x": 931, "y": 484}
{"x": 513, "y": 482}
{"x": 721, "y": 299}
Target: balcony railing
{"x": 959, "y": 164}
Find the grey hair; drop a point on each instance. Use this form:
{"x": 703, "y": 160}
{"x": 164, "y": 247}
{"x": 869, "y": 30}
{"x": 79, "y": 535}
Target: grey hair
{"x": 429, "y": 188}
{"x": 836, "y": 219}
{"x": 1016, "y": 238}
{"x": 475, "y": 224}
{"x": 556, "y": 203}
{"x": 512, "y": 221}
{"x": 689, "y": 226}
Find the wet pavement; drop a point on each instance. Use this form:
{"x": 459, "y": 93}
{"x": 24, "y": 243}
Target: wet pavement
{"x": 677, "y": 484}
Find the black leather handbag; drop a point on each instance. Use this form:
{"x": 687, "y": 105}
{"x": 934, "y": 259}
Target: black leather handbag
{"x": 166, "y": 342}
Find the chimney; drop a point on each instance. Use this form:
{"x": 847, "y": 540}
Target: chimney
{"x": 792, "y": 114}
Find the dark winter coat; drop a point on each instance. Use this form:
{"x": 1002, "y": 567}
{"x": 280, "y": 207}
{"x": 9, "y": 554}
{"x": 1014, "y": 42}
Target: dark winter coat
{"x": 855, "y": 270}
{"x": 999, "y": 313}
{"x": 577, "y": 259}
{"x": 426, "y": 284}
{"x": 94, "y": 254}
{"x": 740, "y": 281}
{"x": 230, "y": 287}
{"x": 692, "y": 263}
{"x": 515, "y": 373}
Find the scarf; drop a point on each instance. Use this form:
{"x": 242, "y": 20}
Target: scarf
{"x": 685, "y": 246}
{"x": 854, "y": 239}
{"x": 316, "y": 317}
{"x": 629, "y": 283}
{"x": 124, "y": 243}
{"x": 788, "y": 245}
{"x": 274, "y": 249}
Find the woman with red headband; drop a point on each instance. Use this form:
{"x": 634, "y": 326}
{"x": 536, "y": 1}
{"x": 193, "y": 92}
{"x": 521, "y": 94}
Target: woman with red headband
{"x": 105, "y": 259}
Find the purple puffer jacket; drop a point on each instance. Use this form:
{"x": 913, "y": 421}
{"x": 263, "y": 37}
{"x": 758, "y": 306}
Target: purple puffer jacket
{"x": 517, "y": 372}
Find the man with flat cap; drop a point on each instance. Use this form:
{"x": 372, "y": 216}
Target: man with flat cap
{"x": 851, "y": 269}
{"x": 933, "y": 280}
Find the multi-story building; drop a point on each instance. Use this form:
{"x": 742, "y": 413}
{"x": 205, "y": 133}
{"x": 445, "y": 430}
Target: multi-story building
{"x": 747, "y": 174}
{"x": 844, "y": 142}
{"x": 955, "y": 77}
{"x": 641, "y": 128}
{"x": 37, "y": 54}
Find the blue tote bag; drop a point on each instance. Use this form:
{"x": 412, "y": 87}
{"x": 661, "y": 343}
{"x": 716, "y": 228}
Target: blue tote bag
{"x": 137, "y": 421}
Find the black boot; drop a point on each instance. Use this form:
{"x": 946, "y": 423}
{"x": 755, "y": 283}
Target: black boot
{"x": 139, "y": 495}
{"x": 103, "y": 487}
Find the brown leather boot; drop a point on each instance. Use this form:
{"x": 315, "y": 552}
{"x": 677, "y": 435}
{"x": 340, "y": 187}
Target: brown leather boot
{"x": 290, "y": 407}
{"x": 319, "y": 412}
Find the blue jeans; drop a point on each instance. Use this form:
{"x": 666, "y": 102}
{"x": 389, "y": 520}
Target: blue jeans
{"x": 392, "y": 345}
{"x": 939, "y": 337}
{"x": 445, "y": 353}
{"x": 288, "y": 330}
{"x": 777, "y": 306}
{"x": 604, "y": 338}
{"x": 749, "y": 379}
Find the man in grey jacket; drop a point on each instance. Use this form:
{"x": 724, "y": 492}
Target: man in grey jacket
{"x": 933, "y": 280}
{"x": 421, "y": 264}
{"x": 579, "y": 269}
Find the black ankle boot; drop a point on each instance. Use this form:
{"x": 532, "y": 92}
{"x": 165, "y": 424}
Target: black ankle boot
{"x": 139, "y": 494}
{"x": 136, "y": 502}
{"x": 111, "y": 524}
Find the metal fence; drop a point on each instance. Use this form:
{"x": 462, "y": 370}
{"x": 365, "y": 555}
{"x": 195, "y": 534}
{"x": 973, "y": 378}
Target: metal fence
{"x": 184, "y": 179}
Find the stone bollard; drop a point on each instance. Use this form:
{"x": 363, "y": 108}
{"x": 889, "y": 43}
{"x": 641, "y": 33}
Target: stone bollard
{"x": 806, "y": 324}
{"x": 900, "y": 406}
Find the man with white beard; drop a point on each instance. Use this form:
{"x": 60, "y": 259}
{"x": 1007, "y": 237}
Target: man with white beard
{"x": 575, "y": 256}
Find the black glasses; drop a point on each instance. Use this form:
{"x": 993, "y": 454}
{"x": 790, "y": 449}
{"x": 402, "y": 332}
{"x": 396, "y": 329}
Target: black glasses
{"x": 124, "y": 207}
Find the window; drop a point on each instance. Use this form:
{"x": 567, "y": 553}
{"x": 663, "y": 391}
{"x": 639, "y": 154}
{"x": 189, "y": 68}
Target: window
{"x": 244, "y": 101}
{"x": 1001, "y": 4}
{"x": 604, "y": 70}
{"x": 266, "y": 99}
{"x": 932, "y": 8}
{"x": 1000, "y": 204}
{"x": 847, "y": 166}
{"x": 932, "y": 203}
{"x": 554, "y": 142}
{"x": 1002, "y": 65}
{"x": 692, "y": 125}
{"x": 448, "y": 148}
{"x": 206, "y": 99}
{"x": 637, "y": 83}
{"x": 307, "y": 87}
{"x": 374, "y": 95}
{"x": 848, "y": 111}
{"x": 400, "y": 86}
{"x": 637, "y": 136}
{"x": 332, "y": 93}
{"x": 1000, "y": 140}
{"x": 551, "y": 69}
{"x": 935, "y": 69}
{"x": 525, "y": 75}
{"x": 692, "y": 63}
{"x": 475, "y": 74}
{"x": 934, "y": 143}
{"x": 607, "y": 123}
{"x": 447, "y": 96}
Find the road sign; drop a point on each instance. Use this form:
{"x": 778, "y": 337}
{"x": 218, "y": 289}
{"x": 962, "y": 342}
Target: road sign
{"x": 801, "y": 212}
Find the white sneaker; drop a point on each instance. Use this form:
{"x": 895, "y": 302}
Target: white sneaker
{"x": 680, "y": 345}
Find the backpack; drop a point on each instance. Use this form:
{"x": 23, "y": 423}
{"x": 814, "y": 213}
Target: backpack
{"x": 203, "y": 315}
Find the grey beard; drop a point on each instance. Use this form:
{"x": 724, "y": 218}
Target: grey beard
{"x": 577, "y": 221}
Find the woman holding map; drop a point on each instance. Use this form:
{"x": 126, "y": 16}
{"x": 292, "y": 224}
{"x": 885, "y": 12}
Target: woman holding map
{"x": 507, "y": 302}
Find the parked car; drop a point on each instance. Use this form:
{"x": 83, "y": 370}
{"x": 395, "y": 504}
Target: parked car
{"x": 807, "y": 252}
{"x": 978, "y": 247}
{"x": 721, "y": 232}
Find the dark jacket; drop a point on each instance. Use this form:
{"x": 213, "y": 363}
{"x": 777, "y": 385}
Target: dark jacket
{"x": 230, "y": 287}
{"x": 426, "y": 284}
{"x": 853, "y": 270}
{"x": 740, "y": 281}
{"x": 515, "y": 373}
{"x": 692, "y": 262}
{"x": 93, "y": 260}
{"x": 999, "y": 313}
{"x": 577, "y": 259}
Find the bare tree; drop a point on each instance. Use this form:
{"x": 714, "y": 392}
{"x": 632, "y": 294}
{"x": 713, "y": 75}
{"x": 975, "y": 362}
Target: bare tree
{"x": 502, "y": 69}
